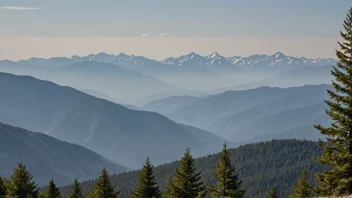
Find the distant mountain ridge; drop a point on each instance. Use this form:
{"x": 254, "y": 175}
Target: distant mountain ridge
{"x": 47, "y": 157}
{"x": 214, "y": 59}
{"x": 138, "y": 80}
{"x": 123, "y": 135}
{"x": 248, "y": 114}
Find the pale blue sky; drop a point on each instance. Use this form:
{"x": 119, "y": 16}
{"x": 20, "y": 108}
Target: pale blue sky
{"x": 234, "y": 19}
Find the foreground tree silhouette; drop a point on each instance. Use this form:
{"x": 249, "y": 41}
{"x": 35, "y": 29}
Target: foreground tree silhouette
{"x": 185, "y": 182}
{"x": 302, "y": 189}
{"x": 20, "y": 184}
{"x": 228, "y": 181}
{"x": 147, "y": 187}
{"x": 337, "y": 150}
{"x": 2, "y": 188}
{"x": 52, "y": 191}
{"x": 103, "y": 188}
{"x": 273, "y": 193}
{"x": 76, "y": 191}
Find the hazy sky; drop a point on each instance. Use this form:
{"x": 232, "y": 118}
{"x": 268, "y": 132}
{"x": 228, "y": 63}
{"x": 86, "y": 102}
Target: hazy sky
{"x": 161, "y": 28}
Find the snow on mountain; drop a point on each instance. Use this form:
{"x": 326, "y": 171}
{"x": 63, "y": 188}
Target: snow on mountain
{"x": 278, "y": 60}
{"x": 189, "y": 59}
{"x": 214, "y": 60}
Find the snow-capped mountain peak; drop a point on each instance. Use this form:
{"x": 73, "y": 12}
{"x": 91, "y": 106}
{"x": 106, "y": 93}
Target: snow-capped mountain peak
{"x": 214, "y": 60}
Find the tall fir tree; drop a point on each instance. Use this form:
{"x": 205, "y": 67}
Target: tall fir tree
{"x": 337, "y": 149}
{"x": 103, "y": 188}
{"x": 20, "y": 183}
{"x": 185, "y": 182}
{"x": 228, "y": 184}
{"x": 52, "y": 191}
{"x": 273, "y": 193}
{"x": 2, "y": 188}
{"x": 302, "y": 189}
{"x": 76, "y": 191}
{"x": 147, "y": 187}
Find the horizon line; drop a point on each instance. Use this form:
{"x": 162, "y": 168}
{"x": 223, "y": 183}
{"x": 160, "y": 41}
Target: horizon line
{"x": 192, "y": 52}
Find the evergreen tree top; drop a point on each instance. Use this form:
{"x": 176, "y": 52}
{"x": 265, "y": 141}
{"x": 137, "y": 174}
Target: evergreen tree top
{"x": 302, "y": 189}
{"x": 228, "y": 184}
{"x": 76, "y": 191}
{"x": 103, "y": 187}
{"x": 2, "y": 188}
{"x": 147, "y": 187}
{"x": 186, "y": 181}
{"x": 52, "y": 191}
{"x": 20, "y": 183}
{"x": 337, "y": 150}
{"x": 273, "y": 193}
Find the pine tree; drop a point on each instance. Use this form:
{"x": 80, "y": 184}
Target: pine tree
{"x": 20, "y": 184}
{"x": 2, "y": 188}
{"x": 337, "y": 150}
{"x": 147, "y": 187}
{"x": 52, "y": 191}
{"x": 103, "y": 188}
{"x": 302, "y": 189}
{"x": 76, "y": 191}
{"x": 185, "y": 182}
{"x": 273, "y": 193}
{"x": 228, "y": 181}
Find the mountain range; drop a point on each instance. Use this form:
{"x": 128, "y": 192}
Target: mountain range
{"x": 191, "y": 59}
{"x": 243, "y": 115}
{"x": 120, "y": 134}
{"x": 137, "y": 80}
{"x": 47, "y": 158}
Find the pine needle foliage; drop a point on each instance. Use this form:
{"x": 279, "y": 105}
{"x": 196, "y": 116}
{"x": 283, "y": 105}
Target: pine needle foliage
{"x": 302, "y": 189}
{"x": 20, "y": 183}
{"x": 273, "y": 193}
{"x": 52, "y": 191}
{"x": 147, "y": 186}
{"x": 76, "y": 191}
{"x": 228, "y": 184}
{"x": 103, "y": 187}
{"x": 186, "y": 182}
{"x": 337, "y": 149}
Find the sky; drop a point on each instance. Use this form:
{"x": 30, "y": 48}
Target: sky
{"x": 163, "y": 28}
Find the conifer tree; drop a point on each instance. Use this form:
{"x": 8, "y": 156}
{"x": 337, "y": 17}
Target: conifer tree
{"x": 273, "y": 193}
{"x": 103, "y": 188}
{"x": 76, "y": 191}
{"x": 147, "y": 187}
{"x": 337, "y": 150}
{"x": 2, "y": 188}
{"x": 20, "y": 183}
{"x": 228, "y": 181}
{"x": 52, "y": 191}
{"x": 185, "y": 182}
{"x": 302, "y": 189}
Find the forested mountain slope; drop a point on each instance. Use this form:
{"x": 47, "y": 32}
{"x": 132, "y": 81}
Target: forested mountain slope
{"x": 260, "y": 166}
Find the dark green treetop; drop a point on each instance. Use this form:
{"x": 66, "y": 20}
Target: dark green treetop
{"x": 228, "y": 184}
{"x": 273, "y": 193}
{"x": 52, "y": 191}
{"x": 103, "y": 187}
{"x": 2, "y": 188}
{"x": 20, "y": 183}
{"x": 302, "y": 189}
{"x": 147, "y": 186}
{"x": 76, "y": 191}
{"x": 186, "y": 182}
{"x": 337, "y": 149}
